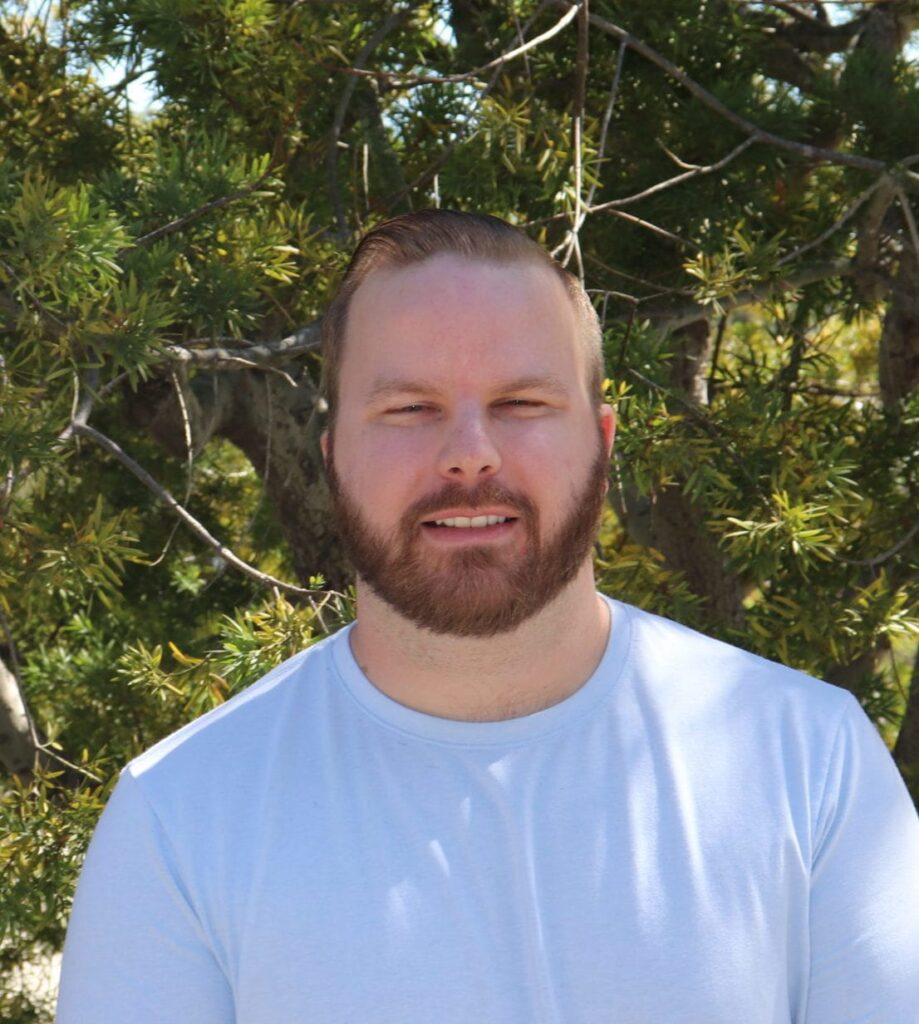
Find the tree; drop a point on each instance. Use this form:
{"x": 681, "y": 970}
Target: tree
{"x": 735, "y": 183}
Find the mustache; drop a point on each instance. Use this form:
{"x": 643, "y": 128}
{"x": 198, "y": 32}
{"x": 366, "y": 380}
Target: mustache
{"x": 487, "y": 493}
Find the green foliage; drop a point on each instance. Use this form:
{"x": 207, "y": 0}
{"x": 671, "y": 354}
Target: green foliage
{"x": 224, "y": 216}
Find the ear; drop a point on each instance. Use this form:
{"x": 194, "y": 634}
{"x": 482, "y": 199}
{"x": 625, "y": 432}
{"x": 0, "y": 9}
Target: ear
{"x": 608, "y": 426}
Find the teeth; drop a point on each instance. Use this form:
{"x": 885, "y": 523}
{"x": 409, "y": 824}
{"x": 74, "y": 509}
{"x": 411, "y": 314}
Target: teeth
{"x": 474, "y": 521}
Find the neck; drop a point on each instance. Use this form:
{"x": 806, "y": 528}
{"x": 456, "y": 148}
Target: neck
{"x": 538, "y": 664}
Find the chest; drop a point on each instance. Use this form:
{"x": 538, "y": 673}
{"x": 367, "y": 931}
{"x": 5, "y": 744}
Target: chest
{"x": 514, "y": 888}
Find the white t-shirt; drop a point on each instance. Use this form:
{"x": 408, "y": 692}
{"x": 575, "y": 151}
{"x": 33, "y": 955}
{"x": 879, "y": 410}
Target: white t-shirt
{"x": 696, "y": 836}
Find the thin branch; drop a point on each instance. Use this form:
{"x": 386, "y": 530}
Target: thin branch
{"x": 435, "y": 165}
{"x": 873, "y": 563}
{"x": 614, "y": 205}
{"x": 648, "y": 226}
{"x": 84, "y": 398}
{"x": 910, "y": 220}
{"x": 758, "y": 134}
{"x": 526, "y": 59}
{"x": 682, "y": 164}
{"x": 407, "y": 81}
{"x": 84, "y": 430}
{"x": 134, "y": 72}
{"x": 180, "y": 222}
{"x": 58, "y": 324}
{"x": 661, "y": 186}
{"x": 393, "y": 21}
{"x": 189, "y": 459}
{"x": 580, "y": 93}
{"x": 626, "y": 338}
{"x": 49, "y": 751}
{"x": 658, "y": 289}
{"x": 675, "y": 315}
{"x": 716, "y": 354}
{"x": 306, "y": 339}
{"x": 608, "y": 116}
{"x": 847, "y": 215}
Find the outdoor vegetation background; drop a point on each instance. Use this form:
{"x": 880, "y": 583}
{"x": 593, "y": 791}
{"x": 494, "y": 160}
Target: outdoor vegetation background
{"x": 181, "y": 182}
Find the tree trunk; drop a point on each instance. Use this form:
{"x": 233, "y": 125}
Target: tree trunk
{"x": 277, "y": 426}
{"x": 678, "y": 527}
{"x": 18, "y": 740}
{"x": 906, "y": 749}
{"x": 898, "y": 356}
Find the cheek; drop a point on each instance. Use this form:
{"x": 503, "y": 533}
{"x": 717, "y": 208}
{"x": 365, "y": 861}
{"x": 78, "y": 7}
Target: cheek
{"x": 378, "y": 465}
{"x": 545, "y": 453}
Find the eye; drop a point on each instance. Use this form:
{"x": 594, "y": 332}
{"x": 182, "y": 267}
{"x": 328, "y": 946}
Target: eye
{"x": 522, "y": 405}
{"x": 409, "y": 412}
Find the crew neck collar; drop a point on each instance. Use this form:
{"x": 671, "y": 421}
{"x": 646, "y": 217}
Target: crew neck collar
{"x": 511, "y": 730}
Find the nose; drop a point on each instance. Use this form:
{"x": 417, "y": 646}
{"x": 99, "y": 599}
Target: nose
{"x": 469, "y": 452}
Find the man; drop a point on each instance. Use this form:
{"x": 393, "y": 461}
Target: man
{"x": 498, "y": 797}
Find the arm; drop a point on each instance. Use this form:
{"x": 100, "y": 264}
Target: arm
{"x": 135, "y": 949}
{"x": 864, "y": 888}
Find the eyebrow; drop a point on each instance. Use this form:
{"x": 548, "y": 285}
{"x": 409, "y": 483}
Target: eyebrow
{"x": 387, "y": 387}
{"x": 548, "y": 382}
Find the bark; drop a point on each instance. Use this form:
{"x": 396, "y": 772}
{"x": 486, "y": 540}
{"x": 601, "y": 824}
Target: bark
{"x": 677, "y": 523}
{"x": 690, "y": 360}
{"x": 870, "y": 273}
{"x": 852, "y": 675}
{"x": 906, "y": 749}
{"x": 669, "y": 520}
{"x": 680, "y": 533}
{"x": 277, "y": 425}
{"x": 18, "y": 739}
{"x": 898, "y": 354}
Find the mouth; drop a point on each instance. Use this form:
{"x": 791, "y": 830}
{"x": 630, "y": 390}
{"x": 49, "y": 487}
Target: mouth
{"x": 468, "y": 522}
{"x": 463, "y": 529}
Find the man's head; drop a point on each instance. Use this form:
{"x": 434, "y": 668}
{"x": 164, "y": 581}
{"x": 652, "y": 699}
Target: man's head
{"x": 416, "y": 237}
{"x": 468, "y": 443}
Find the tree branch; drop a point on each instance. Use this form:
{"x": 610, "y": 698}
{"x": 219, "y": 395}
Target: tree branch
{"x": 407, "y": 81}
{"x": 305, "y": 339}
{"x": 873, "y": 563}
{"x": 391, "y": 22}
{"x": 758, "y": 134}
{"x": 662, "y": 186}
{"x": 84, "y": 430}
{"x": 675, "y": 315}
{"x": 847, "y": 215}
{"x": 572, "y": 244}
{"x": 180, "y": 222}
{"x": 607, "y": 116}
{"x": 448, "y": 150}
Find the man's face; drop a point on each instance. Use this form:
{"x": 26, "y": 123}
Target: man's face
{"x": 468, "y": 464}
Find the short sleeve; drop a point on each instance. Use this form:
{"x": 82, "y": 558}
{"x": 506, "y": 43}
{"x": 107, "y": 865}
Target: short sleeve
{"x": 135, "y": 949}
{"x": 864, "y": 908}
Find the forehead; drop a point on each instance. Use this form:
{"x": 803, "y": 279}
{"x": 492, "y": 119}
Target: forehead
{"x": 456, "y": 315}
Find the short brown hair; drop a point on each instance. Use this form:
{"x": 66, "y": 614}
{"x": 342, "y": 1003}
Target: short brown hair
{"x": 415, "y": 237}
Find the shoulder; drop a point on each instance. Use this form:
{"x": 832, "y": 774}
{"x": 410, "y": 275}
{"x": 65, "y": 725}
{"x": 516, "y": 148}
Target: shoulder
{"x": 238, "y": 729}
{"x": 667, "y": 653}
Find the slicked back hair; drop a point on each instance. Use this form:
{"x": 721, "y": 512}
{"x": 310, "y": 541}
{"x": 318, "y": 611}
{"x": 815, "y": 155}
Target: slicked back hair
{"x": 415, "y": 237}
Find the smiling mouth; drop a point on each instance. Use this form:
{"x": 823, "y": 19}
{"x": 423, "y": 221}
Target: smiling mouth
{"x": 468, "y": 522}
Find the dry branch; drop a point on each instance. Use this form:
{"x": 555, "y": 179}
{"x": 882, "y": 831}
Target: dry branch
{"x": 390, "y": 23}
{"x": 803, "y": 149}
{"x": 217, "y": 357}
{"x": 675, "y": 315}
{"x": 114, "y": 449}
{"x": 408, "y": 81}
